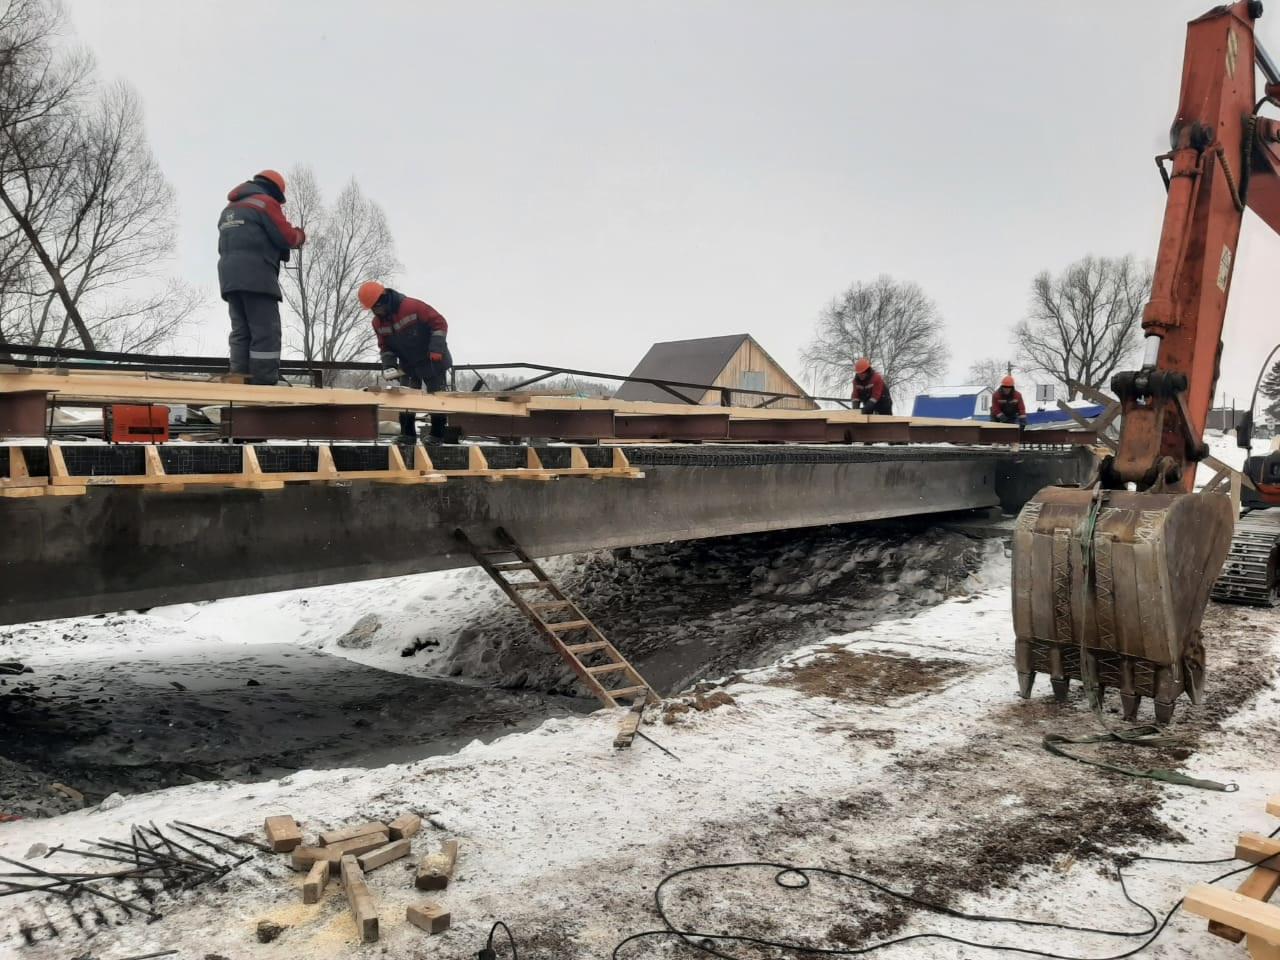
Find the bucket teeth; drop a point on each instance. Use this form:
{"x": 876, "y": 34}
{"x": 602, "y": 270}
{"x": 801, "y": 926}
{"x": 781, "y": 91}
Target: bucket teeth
{"x": 1026, "y": 680}
{"x": 1129, "y": 703}
{"x": 1060, "y": 687}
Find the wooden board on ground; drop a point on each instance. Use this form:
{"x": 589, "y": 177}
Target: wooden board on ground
{"x": 405, "y": 825}
{"x": 363, "y": 909}
{"x": 436, "y": 869}
{"x": 316, "y": 881}
{"x": 1259, "y": 885}
{"x": 283, "y": 833}
{"x": 630, "y": 726}
{"x": 428, "y": 917}
{"x": 349, "y": 833}
{"x": 383, "y": 855}
{"x": 304, "y": 857}
{"x": 1255, "y": 848}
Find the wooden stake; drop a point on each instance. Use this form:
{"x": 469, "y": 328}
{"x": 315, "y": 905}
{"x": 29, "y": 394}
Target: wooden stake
{"x": 362, "y": 906}
{"x": 436, "y": 869}
{"x": 316, "y": 881}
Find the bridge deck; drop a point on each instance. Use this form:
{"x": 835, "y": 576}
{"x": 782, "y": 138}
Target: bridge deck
{"x": 120, "y": 547}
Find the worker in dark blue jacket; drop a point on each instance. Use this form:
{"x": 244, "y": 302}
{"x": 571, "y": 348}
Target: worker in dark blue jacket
{"x": 254, "y": 238}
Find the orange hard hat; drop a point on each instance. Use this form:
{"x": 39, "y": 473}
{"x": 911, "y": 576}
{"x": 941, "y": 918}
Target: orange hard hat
{"x": 861, "y": 365}
{"x": 1007, "y": 381}
{"x": 274, "y": 176}
{"x": 369, "y": 293}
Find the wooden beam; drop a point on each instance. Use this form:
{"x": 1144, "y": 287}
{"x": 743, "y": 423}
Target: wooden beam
{"x": 1259, "y": 885}
{"x": 1255, "y": 848}
{"x": 1075, "y": 415}
{"x": 363, "y": 909}
{"x": 315, "y": 882}
{"x": 436, "y": 869}
{"x": 1261, "y": 920}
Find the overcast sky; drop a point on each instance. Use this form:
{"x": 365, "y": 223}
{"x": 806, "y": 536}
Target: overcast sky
{"x": 570, "y": 181}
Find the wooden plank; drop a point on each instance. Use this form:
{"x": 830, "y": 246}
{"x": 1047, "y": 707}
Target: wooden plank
{"x": 283, "y": 833}
{"x": 404, "y": 826}
{"x": 429, "y": 917}
{"x": 1273, "y": 805}
{"x": 383, "y": 855}
{"x": 1260, "y": 884}
{"x": 1255, "y": 848}
{"x": 1075, "y": 415}
{"x": 629, "y": 727}
{"x": 304, "y": 857}
{"x": 349, "y": 833}
{"x": 316, "y": 881}
{"x": 363, "y": 909}
{"x": 1256, "y": 919}
{"x": 436, "y": 869}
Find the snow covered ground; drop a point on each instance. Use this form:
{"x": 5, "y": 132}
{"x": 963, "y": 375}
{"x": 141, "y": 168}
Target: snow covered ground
{"x": 898, "y": 750}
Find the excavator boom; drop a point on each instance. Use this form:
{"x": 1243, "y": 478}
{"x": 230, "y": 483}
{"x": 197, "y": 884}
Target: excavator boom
{"x": 1111, "y": 579}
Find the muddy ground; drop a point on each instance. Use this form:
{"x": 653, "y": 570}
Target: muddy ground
{"x": 103, "y": 724}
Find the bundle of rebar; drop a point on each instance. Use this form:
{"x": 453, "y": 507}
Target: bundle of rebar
{"x": 150, "y": 854}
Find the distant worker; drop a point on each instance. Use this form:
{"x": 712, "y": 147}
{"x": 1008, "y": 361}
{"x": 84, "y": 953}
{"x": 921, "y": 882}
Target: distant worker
{"x": 254, "y": 238}
{"x": 1007, "y": 405}
{"x": 411, "y": 336}
{"x": 870, "y": 392}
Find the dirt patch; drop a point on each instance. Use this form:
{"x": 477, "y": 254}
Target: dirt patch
{"x": 876, "y": 678}
{"x": 673, "y": 710}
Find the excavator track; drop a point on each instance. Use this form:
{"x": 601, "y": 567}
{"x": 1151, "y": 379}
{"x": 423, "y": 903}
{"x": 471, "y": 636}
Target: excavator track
{"x": 1249, "y": 573}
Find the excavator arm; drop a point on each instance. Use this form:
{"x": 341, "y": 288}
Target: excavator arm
{"x": 1111, "y": 579}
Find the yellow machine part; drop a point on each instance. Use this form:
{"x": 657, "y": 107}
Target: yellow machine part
{"x": 1110, "y": 587}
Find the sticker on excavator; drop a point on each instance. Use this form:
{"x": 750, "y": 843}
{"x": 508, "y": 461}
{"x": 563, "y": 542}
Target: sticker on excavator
{"x": 1224, "y": 268}
{"x": 1126, "y": 611}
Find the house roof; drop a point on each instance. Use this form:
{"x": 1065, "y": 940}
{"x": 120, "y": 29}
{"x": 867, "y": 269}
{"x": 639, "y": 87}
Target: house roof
{"x": 692, "y": 361}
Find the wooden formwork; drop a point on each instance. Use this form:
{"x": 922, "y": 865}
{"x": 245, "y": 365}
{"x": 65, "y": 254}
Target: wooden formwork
{"x": 60, "y": 481}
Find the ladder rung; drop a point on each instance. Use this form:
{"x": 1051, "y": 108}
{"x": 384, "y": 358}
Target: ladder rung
{"x": 550, "y": 604}
{"x": 566, "y": 625}
{"x": 607, "y": 668}
{"x": 514, "y": 565}
{"x": 627, "y": 692}
{"x": 531, "y": 585}
{"x": 591, "y": 647}
{"x": 498, "y": 553}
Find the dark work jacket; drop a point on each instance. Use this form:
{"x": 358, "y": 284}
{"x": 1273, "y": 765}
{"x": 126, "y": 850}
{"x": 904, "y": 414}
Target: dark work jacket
{"x": 407, "y": 330}
{"x": 871, "y": 393}
{"x": 254, "y": 238}
{"x": 1007, "y": 405}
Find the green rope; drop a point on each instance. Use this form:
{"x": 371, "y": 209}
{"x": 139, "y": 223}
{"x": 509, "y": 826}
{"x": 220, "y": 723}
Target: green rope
{"x": 1142, "y": 736}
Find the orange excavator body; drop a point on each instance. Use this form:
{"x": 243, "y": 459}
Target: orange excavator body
{"x": 1111, "y": 579}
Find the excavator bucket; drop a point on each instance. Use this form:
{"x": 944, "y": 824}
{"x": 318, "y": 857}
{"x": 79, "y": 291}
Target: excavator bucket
{"x": 1109, "y": 587}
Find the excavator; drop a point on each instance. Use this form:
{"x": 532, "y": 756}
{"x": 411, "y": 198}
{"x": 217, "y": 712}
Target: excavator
{"x": 1111, "y": 578}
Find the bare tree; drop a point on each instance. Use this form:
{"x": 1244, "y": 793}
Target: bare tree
{"x": 90, "y": 215}
{"x": 892, "y": 322}
{"x": 1085, "y": 323}
{"x": 989, "y": 371}
{"x": 347, "y": 244}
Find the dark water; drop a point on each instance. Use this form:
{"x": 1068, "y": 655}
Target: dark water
{"x": 244, "y": 713}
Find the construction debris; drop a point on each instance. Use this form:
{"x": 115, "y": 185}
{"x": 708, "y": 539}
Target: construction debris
{"x": 361, "y": 902}
{"x": 429, "y": 917}
{"x": 328, "y": 837}
{"x": 316, "y": 881}
{"x": 304, "y": 857}
{"x": 405, "y": 825}
{"x": 283, "y": 833}
{"x": 383, "y": 855}
{"x": 269, "y": 931}
{"x": 436, "y": 869}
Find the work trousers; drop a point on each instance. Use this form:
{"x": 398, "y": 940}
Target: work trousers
{"x": 431, "y": 375}
{"x": 255, "y": 336}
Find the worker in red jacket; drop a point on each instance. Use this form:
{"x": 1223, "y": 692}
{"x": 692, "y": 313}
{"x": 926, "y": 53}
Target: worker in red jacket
{"x": 412, "y": 336}
{"x": 870, "y": 392}
{"x": 254, "y": 238}
{"x": 1007, "y": 405}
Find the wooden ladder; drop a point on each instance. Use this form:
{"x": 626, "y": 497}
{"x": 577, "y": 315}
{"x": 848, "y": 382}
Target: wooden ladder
{"x": 593, "y": 658}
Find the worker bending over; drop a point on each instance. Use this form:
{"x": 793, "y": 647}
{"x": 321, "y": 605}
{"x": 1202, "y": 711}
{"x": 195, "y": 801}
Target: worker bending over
{"x": 1007, "y": 405}
{"x": 254, "y": 238}
{"x": 870, "y": 393}
{"x": 412, "y": 337}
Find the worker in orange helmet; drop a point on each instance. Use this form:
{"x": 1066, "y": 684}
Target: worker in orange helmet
{"x": 412, "y": 337}
{"x": 870, "y": 392}
{"x": 254, "y": 238}
{"x": 1007, "y": 405}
